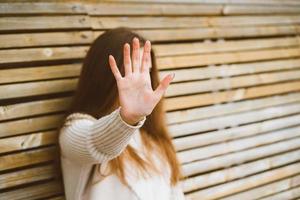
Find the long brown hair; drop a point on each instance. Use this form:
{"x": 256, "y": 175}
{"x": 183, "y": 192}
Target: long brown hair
{"x": 97, "y": 93}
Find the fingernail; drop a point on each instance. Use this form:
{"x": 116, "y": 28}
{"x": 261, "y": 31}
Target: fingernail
{"x": 173, "y": 75}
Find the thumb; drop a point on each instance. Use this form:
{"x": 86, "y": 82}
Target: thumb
{"x": 160, "y": 90}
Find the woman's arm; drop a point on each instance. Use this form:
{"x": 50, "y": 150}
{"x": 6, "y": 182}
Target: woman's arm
{"x": 87, "y": 140}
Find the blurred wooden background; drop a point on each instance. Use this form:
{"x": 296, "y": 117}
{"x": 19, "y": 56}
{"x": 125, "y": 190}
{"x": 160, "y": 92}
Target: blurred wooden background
{"x": 233, "y": 108}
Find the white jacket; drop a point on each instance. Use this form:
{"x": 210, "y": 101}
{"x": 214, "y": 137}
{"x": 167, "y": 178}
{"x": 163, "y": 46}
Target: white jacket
{"x": 86, "y": 141}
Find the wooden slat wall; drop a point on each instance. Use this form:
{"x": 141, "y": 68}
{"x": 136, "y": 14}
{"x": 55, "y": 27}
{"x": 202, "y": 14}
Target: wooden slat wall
{"x": 233, "y": 108}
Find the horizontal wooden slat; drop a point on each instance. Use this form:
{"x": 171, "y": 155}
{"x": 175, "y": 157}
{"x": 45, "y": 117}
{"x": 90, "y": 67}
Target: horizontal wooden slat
{"x": 154, "y": 9}
{"x": 219, "y": 46}
{"x": 228, "y": 70}
{"x": 27, "y": 158}
{"x": 48, "y": 22}
{"x": 40, "y": 191}
{"x": 31, "y": 108}
{"x": 41, "y": 8}
{"x": 27, "y": 125}
{"x": 230, "y": 96}
{"x": 39, "y": 73}
{"x": 64, "y": 53}
{"x": 190, "y": 22}
{"x": 224, "y": 32}
{"x": 44, "y": 39}
{"x": 26, "y": 176}
{"x": 37, "y": 88}
{"x": 223, "y": 58}
{"x": 25, "y": 142}
{"x": 231, "y": 83}
{"x": 238, "y": 158}
{"x": 184, "y": 9}
{"x": 240, "y": 171}
{"x": 255, "y": 2}
{"x": 251, "y": 9}
{"x": 83, "y": 37}
{"x": 246, "y": 183}
{"x": 42, "y": 54}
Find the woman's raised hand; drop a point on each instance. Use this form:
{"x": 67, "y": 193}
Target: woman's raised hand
{"x": 136, "y": 96}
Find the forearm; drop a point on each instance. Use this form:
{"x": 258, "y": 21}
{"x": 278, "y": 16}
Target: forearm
{"x": 98, "y": 140}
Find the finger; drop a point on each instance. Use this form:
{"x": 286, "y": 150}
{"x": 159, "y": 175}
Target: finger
{"x": 146, "y": 60}
{"x": 114, "y": 68}
{"x": 162, "y": 87}
{"x": 127, "y": 60}
{"x": 136, "y": 55}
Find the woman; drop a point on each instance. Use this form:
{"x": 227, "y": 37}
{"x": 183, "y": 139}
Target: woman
{"x": 114, "y": 143}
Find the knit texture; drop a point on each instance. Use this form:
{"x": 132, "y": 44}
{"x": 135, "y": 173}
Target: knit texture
{"x": 88, "y": 140}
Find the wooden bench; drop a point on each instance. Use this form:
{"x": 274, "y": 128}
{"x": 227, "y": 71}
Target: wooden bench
{"x": 233, "y": 108}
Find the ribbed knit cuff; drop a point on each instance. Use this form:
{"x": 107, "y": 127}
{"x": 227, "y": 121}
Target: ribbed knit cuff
{"x": 109, "y": 135}
{"x": 138, "y": 125}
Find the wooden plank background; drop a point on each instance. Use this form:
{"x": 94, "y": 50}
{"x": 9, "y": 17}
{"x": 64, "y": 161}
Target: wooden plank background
{"x": 233, "y": 108}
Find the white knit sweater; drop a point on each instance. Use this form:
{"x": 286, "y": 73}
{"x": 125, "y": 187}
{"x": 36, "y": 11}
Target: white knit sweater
{"x": 86, "y": 141}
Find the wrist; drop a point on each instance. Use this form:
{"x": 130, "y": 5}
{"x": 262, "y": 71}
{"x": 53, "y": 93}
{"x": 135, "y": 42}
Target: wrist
{"x": 131, "y": 120}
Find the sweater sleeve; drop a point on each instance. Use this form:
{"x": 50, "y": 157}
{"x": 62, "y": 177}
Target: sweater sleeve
{"x": 88, "y": 140}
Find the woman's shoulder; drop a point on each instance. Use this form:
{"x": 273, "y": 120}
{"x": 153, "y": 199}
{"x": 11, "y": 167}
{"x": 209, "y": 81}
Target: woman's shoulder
{"x": 78, "y": 116}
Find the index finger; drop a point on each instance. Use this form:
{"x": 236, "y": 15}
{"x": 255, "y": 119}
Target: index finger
{"x": 114, "y": 68}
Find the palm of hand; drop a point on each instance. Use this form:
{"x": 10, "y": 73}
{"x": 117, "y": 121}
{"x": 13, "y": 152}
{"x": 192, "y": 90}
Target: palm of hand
{"x": 136, "y": 96}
